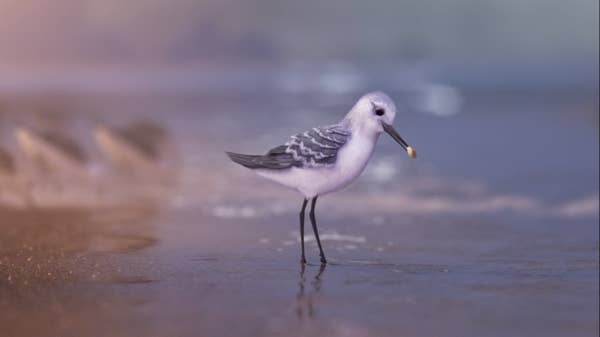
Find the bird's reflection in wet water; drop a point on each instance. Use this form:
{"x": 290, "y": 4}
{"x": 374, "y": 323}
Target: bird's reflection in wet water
{"x": 305, "y": 309}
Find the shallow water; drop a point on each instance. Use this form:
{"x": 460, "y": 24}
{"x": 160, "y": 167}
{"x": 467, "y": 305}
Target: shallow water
{"x": 493, "y": 231}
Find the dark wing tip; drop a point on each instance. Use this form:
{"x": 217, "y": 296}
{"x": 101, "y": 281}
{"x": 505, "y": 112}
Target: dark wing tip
{"x": 242, "y": 159}
{"x": 275, "y": 160}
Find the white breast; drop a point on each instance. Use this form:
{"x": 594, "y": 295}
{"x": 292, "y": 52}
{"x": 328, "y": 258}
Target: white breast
{"x": 352, "y": 159}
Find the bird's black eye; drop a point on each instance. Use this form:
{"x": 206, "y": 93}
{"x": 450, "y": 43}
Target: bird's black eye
{"x": 379, "y": 111}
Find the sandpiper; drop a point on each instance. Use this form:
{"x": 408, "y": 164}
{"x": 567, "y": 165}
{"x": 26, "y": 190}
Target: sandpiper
{"x": 326, "y": 159}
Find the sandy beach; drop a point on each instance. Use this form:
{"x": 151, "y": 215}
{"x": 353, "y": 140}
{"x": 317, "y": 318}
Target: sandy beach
{"x": 492, "y": 232}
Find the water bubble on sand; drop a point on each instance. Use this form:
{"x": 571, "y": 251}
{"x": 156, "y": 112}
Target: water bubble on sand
{"x": 231, "y": 212}
{"x": 334, "y": 236}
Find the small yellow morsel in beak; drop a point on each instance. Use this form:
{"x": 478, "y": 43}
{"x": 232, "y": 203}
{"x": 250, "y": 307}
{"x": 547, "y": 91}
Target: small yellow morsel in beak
{"x": 412, "y": 153}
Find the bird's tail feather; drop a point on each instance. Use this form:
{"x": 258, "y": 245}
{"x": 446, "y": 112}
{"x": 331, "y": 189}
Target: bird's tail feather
{"x": 246, "y": 160}
{"x": 275, "y": 160}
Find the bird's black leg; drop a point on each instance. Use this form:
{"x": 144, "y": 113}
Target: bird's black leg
{"x": 303, "y": 258}
{"x": 313, "y": 220}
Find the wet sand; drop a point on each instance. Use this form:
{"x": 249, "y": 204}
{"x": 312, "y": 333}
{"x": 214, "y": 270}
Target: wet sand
{"x": 447, "y": 247}
{"x": 451, "y": 276}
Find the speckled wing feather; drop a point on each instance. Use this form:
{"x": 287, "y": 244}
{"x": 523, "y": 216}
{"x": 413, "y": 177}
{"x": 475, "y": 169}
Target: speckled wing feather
{"x": 318, "y": 147}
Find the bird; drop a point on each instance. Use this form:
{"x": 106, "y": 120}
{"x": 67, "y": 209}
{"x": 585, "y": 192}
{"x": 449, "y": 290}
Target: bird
{"x": 326, "y": 159}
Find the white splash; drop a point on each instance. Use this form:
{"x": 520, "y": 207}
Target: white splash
{"x": 439, "y": 99}
{"x": 580, "y": 208}
{"x": 381, "y": 170}
{"x": 333, "y": 236}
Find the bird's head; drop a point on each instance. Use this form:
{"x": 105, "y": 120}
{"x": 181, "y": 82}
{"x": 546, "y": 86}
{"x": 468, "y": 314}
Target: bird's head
{"x": 373, "y": 114}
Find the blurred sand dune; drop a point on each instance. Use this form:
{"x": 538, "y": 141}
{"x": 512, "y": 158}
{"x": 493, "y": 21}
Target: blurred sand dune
{"x": 52, "y": 152}
{"x": 57, "y": 165}
{"x": 141, "y": 147}
{"x": 7, "y": 163}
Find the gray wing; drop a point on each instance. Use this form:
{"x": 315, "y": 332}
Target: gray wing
{"x": 317, "y": 147}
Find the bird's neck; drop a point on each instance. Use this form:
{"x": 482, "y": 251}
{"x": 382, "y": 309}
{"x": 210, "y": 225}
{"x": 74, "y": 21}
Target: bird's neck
{"x": 362, "y": 130}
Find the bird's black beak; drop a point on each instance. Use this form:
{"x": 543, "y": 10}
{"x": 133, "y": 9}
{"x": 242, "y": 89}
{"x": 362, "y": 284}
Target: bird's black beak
{"x": 389, "y": 129}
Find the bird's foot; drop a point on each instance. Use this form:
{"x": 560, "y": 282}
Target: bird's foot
{"x": 303, "y": 260}
{"x": 323, "y": 260}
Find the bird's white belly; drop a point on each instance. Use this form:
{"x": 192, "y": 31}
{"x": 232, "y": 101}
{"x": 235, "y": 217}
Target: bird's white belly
{"x": 351, "y": 161}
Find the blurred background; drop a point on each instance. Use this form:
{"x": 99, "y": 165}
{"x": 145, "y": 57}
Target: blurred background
{"x": 117, "y": 203}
